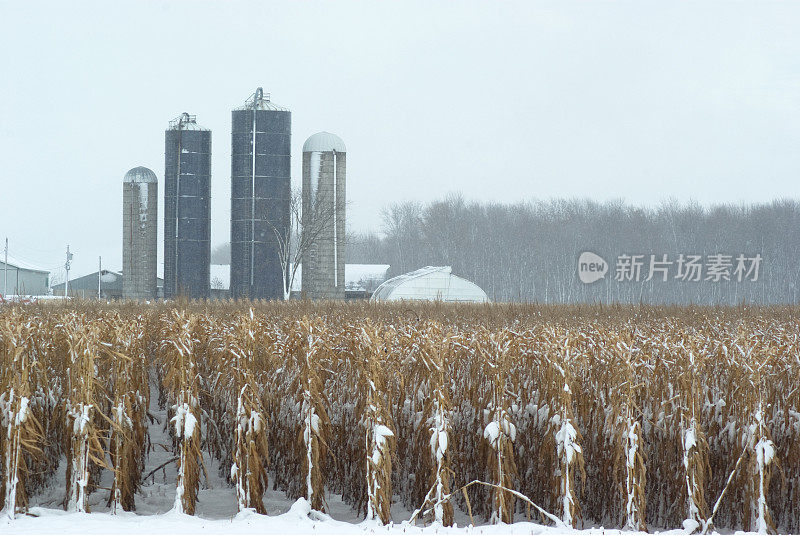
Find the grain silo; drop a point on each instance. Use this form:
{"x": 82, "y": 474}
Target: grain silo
{"x": 187, "y": 209}
{"x": 139, "y": 233}
{"x": 260, "y": 196}
{"x": 324, "y": 200}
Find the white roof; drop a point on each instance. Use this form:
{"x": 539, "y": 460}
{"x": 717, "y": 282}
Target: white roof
{"x": 324, "y": 142}
{"x": 356, "y": 276}
{"x": 110, "y": 276}
{"x": 363, "y": 277}
{"x": 431, "y": 283}
{"x": 21, "y": 264}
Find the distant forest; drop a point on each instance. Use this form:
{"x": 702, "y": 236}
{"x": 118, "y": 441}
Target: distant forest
{"x": 529, "y": 251}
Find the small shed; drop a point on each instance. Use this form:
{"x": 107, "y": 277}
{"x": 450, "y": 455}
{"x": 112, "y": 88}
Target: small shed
{"x": 431, "y": 283}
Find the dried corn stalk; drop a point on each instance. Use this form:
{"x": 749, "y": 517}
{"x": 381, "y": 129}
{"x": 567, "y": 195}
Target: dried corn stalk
{"x": 128, "y": 429}
{"x": 182, "y": 381}
{"x": 84, "y": 431}
{"x": 251, "y": 452}
{"x": 379, "y": 436}
{"x": 695, "y": 447}
{"x": 308, "y": 353}
{"x": 22, "y": 431}
{"x": 500, "y": 433}
{"x": 633, "y": 449}
{"x": 568, "y": 447}
{"x": 434, "y": 353}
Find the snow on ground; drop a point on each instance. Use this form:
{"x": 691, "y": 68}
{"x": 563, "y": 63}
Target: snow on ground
{"x": 294, "y": 522}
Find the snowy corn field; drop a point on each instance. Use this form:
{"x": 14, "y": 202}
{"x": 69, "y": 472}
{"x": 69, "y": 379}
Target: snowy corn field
{"x": 338, "y": 418}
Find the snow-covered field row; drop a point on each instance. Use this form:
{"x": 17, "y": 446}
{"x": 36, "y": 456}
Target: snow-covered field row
{"x": 217, "y": 510}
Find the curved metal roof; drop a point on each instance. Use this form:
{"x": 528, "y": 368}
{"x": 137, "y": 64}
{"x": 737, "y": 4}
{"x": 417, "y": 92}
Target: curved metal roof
{"x": 324, "y": 142}
{"x": 431, "y": 283}
{"x": 140, "y": 174}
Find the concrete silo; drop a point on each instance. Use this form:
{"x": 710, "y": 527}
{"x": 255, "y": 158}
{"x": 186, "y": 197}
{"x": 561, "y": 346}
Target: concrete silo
{"x": 187, "y": 209}
{"x": 261, "y": 135}
{"x": 324, "y": 200}
{"x": 139, "y": 233}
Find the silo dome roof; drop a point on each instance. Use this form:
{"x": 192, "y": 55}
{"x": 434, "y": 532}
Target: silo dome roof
{"x": 140, "y": 174}
{"x": 324, "y": 142}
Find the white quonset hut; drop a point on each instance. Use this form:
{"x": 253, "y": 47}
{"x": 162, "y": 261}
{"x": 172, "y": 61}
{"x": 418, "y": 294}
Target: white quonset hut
{"x": 430, "y": 284}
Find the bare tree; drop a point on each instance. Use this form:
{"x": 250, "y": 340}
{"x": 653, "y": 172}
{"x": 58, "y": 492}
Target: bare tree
{"x": 301, "y": 234}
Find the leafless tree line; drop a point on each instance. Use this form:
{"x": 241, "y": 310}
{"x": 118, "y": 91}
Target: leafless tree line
{"x": 529, "y": 251}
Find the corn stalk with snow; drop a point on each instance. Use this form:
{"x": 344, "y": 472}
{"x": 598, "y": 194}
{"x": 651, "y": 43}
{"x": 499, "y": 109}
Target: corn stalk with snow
{"x": 695, "y": 446}
{"x": 308, "y": 352}
{"x": 128, "y": 429}
{"x": 20, "y": 429}
{"x": 762, "y": 453}
{"x": 251, "y": 452}
{"x": 379, "y": 436}
{"x": 500, "y": 432}
{"x": 762, "y": 459}
{"x": 631, "y": 434}
{"x": 84, "y": 442}
{"x": 434, "y": 350}
{"x": 567, "y": 438}
{"x": 183, "y": 383}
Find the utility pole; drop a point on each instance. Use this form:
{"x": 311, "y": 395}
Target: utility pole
{"x": 66, "y": 266}
{"x": 99, "y": 274}
{"x": 5, "y": 272}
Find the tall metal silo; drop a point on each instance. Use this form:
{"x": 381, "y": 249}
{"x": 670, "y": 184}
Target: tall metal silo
{"x": 324, "y": 201}
{"x": 261, "y": 136}
{"x": 139, "y": 233}
{"x": 187, "y": 209}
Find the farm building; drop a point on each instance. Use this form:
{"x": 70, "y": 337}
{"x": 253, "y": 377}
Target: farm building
{"x": 430, "y": 283}
{"x": 21, "y": 278}
{"x": 110, "y": 285}
{"x": 359, "y": 280}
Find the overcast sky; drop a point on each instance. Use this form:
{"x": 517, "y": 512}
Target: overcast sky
{"x": 503, "y": 101}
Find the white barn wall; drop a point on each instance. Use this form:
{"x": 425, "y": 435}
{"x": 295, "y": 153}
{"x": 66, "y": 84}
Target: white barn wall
{"x": 23, "y": 281}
